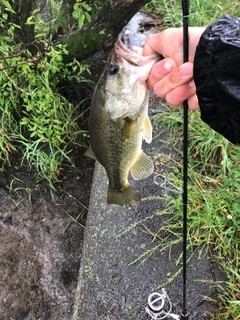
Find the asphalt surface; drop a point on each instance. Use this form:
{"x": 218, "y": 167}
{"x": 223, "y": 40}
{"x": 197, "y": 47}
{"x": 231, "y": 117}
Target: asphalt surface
{"x": 112, "y": 285}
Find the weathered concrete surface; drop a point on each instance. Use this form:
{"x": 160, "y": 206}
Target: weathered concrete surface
{"x": 110, "y": 285}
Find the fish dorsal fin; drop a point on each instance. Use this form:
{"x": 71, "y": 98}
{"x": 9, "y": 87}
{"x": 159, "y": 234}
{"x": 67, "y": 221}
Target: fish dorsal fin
{"x": 147, "y": 130}
{"x": 90, "y": 154}
{"x": 142, "y": 168}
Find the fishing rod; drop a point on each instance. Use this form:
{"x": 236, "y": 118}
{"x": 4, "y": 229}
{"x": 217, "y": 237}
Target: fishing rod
{"x": 185, "y": 10}
{"x": 159, "y": 304}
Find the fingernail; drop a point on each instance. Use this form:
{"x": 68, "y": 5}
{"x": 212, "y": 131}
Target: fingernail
{"x": 168, "y": 66}
{"x": 191, "y": 84}
{"x": 186, "y": 69}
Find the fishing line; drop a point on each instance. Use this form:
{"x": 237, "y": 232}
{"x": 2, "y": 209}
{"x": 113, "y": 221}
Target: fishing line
{"x": 157, "y": 302}
{"x": 165, "y": 184}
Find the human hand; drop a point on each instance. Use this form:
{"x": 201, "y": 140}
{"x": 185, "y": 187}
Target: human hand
{"x": 170, "y": 78}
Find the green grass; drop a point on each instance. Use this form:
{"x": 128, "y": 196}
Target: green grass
{"x": 202, "y": 12}
{"x": 213, "y": 205}
{"x": 214, "y": 175}
{"x": 37, "y": 123}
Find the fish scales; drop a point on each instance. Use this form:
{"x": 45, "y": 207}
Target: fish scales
{"x": 118, "y": 122}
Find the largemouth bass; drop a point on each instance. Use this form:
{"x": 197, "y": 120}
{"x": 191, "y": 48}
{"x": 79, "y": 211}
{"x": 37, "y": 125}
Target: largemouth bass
{"x": 119, "y": 121}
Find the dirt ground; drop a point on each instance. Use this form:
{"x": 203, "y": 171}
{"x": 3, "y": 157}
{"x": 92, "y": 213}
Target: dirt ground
{"x": 41, "y": 238}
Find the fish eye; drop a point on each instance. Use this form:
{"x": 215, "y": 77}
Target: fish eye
{"x": 113, "y": 69}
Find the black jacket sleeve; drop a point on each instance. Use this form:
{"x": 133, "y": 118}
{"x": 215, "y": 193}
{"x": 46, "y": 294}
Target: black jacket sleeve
{"x": 217, "y": 77}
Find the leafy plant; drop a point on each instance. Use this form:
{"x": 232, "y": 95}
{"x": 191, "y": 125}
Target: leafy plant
{"x": 37, "y": 122}
{"x": 81, "y": 12}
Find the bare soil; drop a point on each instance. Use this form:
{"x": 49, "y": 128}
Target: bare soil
{"x": 41, "y": 238}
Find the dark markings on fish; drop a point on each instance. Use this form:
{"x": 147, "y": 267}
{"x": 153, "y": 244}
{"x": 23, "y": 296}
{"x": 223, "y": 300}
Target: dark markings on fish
{"x": 127, "y": 128}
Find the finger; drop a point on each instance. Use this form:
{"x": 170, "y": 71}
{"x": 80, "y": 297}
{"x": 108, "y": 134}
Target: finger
{"x": 160, "y": 42}
{"x": 152, "y": 45}
{"x": 193, "y": 103}
{"x": 177, "y": 77}
{"x": 176, "y": 99}
{"x": 159, "y": 71}
{"x": 179, "y": 94}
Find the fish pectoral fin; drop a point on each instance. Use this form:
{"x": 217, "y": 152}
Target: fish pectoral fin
{"x": 90, "y": 154}
{"x": 127, "y": 197}
{"x": 142, "y": 168}
{"x": 147, "y": 130}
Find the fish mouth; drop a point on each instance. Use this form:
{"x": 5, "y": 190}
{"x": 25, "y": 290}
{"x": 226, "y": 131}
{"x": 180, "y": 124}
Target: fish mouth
{"x": 125, "y": 39}
{"x": 125, "y": 50}
{"x": 133, "y": 55}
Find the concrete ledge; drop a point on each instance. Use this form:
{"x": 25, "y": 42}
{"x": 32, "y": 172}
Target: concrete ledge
{"x": 109, "y": 285}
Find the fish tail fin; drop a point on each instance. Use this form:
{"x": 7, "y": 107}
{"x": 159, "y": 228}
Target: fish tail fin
{"x": 127, "y": 197}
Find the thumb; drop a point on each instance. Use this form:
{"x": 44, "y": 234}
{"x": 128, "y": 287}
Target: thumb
{"x": 152, "y": 45}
